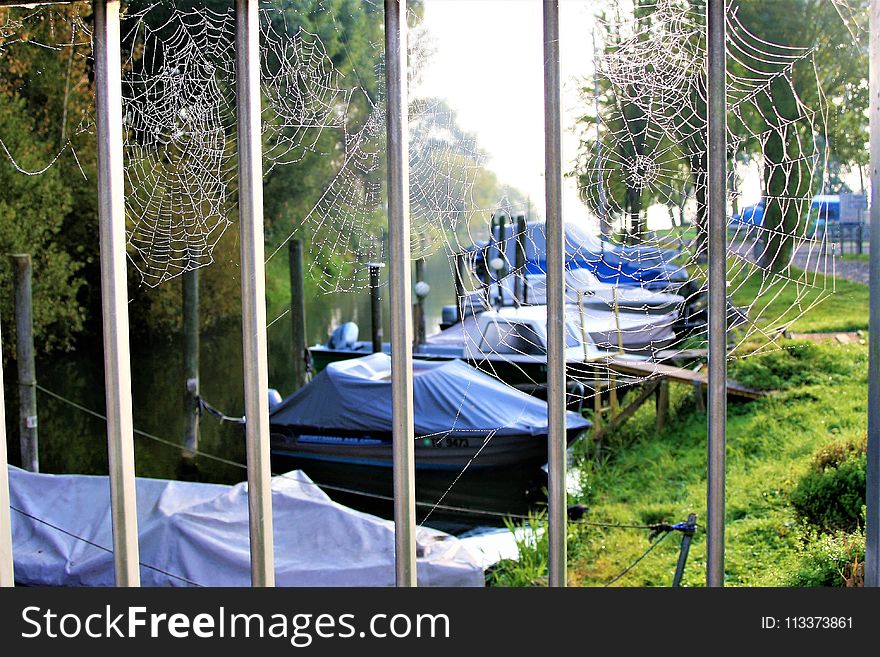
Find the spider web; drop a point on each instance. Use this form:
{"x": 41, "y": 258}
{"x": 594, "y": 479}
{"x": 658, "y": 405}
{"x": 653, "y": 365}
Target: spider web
{"x": 179, "y": 108}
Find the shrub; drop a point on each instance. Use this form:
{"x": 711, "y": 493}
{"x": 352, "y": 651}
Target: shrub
{"x": 831, "y": 498}
{"x": 834, "y": 454}
{"x": 830, "y": 560}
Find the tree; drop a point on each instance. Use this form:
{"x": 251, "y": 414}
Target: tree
{"x": 808, "y": 57}
{"x": 44, "y": 96}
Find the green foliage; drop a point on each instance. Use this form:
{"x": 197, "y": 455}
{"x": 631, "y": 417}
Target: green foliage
{"x": 800, "y": 364}
{"x": 798, "y": 301}
{"x": 829, "y": 560}
{"x": 532, "y": 542}
{"x": 831, "y": 495}
{"x": 32, "y": 212}
{"x": 772, "y": 443}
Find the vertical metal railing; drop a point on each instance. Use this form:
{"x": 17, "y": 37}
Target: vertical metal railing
{"x": 556, "y": 495}
{"x": 872, "y": 523}
{"x": 717, "y": 229}
{"x": 7, "y": 577}
{"x": 399, "y": 293}
{"x": 114, "y": 292}
{"x": 253, "y": 290}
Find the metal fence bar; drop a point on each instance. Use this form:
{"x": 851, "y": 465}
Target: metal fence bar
{"x": 872, "y": 524}
{"x": 556, "y": 496}
{"x": 114, "y": 292}
{"x": 399, "y": 293}
{"x": 717, "y": 229}
{"x": 253, "y": 290}
{"x": 7, "y": 577}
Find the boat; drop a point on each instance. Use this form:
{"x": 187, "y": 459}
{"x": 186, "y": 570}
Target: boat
{"x": 196, "y": 534}
{"x": 510, "y": 343}
{"x": 462, "y": 418}
{"x": 641, "y": 265}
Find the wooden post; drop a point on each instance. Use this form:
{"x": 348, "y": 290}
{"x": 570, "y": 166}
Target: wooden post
{"x": 458, "y": 280}
{"x": 298, "y": 315}
{"x": 24, "y": 349}
{"x": 191, "y": 361}
{"x": 419, "y": 307}
{"x": 375, "y": 307}
{"x": 662, "y": 403}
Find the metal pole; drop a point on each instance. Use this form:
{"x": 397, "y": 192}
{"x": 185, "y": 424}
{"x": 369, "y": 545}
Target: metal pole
{"x": 191, "y": 360}
{"x": 399, "y": 292}
{"x": 604, "y": 225}
{"x": 7, "y": 576}
{"x": 375, "y": 307}
{"x": 24, "y": 356}
{"x": 253, "y": 290}
{"x": 717, "y": 209}
{"x": 114, "y": 292}
{"x": 872, "y": 525}
{"x": 556, "y": 498}
{"x": 298, "y": 315}
{"x": 686, "y": 538}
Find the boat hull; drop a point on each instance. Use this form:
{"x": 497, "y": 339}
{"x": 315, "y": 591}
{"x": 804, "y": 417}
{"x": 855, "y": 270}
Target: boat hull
{"x": 449, "y": 451}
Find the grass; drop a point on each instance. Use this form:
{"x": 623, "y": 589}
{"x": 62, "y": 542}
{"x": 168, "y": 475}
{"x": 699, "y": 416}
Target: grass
{"x": 646, "y": 477}
{"x": 856, "y": 257}
{"x": 806, "y": 303}
{"x": 795, "y": 300}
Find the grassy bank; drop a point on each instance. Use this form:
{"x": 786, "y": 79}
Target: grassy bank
{"x": 807, "y": 303}
{"x": 649, "y": 477}
{"x": 644, "y": 477}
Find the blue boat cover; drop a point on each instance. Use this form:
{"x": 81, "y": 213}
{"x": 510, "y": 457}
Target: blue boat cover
{"x": 635, "y": 265}
{"x": 355, "y": 395}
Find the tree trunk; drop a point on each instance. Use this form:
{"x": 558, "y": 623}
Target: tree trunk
{"x": 699, "y": 171}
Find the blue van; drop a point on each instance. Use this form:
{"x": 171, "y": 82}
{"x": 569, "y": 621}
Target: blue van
{"x": 824, "y": 210}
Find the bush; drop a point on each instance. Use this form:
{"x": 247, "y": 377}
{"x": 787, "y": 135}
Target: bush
{"x": 830, "y": 560}
{"x": 831, "y": 498}
{"x": 834, "y": 454}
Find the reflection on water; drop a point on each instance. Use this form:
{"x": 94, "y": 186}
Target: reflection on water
{"x": 72, "y": 441}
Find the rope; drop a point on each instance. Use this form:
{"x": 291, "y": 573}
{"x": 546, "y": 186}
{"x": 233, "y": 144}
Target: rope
{"x": 353, "y": 491}
{"x": 635, "y": 563}
{"x": 100, "y": 547}
{"x": 220, "y": 414}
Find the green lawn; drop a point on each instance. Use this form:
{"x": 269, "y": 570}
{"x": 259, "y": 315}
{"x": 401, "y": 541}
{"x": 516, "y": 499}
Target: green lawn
{"x": 645, "y": 477}
{"x": 649, "y": 477}
{"x": 805, "y": 303}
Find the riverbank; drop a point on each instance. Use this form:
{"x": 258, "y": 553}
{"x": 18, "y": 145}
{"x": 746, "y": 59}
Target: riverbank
{"x": 644, "y": 477}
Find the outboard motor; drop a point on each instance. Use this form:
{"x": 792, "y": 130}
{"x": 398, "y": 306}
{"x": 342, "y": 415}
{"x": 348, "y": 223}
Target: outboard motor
{"x": 274, "y": 397}
{"x": 344, "y": 337}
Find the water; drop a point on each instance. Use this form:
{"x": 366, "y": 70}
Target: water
{"x": 73, "y": 441}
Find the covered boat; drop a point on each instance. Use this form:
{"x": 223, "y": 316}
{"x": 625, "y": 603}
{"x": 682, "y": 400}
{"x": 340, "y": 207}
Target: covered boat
{"x": 463, "y": 417}
{"x": 193, "y": 534}
{"x": 643, "y": 265}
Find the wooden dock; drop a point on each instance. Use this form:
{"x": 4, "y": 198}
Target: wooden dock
{"x": 655, "y": 383}
{"x": 679, "y": 375}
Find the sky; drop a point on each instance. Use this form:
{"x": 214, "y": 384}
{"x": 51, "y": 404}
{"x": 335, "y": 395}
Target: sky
{"x": 487, "y": 61}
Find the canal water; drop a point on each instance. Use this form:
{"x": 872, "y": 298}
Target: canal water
{"x": 72, "y": 440}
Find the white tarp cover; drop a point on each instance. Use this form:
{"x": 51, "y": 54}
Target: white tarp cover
{"x": 200, "y": 532}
